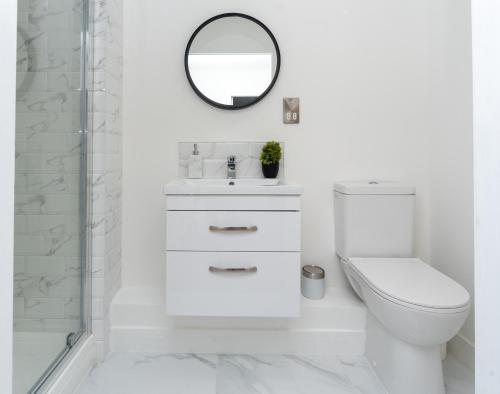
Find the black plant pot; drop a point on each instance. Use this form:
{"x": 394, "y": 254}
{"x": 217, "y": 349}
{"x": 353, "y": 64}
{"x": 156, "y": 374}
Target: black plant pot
{"x": 270, "y": 170}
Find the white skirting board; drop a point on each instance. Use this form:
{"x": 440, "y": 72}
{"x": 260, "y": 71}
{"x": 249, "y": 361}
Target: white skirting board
{"x": 463, "y": 350}
{"x": 237, "y": 341}
{"x": 76, "y": 368}
{"x": 334, "y": 325}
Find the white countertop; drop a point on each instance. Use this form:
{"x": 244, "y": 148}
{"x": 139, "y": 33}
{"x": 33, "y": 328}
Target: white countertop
{"x": 240, "y": 186}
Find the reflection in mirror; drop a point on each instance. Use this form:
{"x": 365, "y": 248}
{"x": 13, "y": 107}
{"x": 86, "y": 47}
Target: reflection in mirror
{"x": 232, "y": 61}
{"x": 229, "y": 77}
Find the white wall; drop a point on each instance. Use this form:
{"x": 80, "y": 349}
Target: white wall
{"x": 8, "y": 34}
{"x": 486, "y": 66}
{"x": 452, "y": 197}
{"x": 362, "y": 71}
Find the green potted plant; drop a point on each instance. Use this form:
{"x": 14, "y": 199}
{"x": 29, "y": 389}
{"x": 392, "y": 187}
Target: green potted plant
{"x": 270, "y": 158}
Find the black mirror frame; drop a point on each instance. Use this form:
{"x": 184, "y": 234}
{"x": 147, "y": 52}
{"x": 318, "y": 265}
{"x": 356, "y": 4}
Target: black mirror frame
{"x": 225, "y": 106}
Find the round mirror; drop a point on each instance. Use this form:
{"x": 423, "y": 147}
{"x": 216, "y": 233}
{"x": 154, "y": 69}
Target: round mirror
{"x": 232, "y": 61}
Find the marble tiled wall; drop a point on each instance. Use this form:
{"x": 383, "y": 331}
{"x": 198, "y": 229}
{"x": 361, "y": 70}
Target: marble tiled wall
{"x": 107, "y": 168}
{"x": 47, "y": 279}
{"x": 47, "y": 227}
{"x": 215, "y": 158}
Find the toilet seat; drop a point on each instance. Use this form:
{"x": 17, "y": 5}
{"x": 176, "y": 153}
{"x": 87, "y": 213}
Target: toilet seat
{"x": 412, "y": 283}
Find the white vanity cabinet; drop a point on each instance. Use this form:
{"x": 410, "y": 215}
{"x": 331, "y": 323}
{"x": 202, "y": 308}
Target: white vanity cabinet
{"x": 233, "y": 254}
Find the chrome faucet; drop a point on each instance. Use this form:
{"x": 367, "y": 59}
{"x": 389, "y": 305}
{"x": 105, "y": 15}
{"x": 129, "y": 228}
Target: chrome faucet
{"x": 231, "y": 167}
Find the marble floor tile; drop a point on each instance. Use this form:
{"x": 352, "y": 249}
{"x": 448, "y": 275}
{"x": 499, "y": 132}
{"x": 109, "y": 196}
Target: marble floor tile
{"x": 127, "y": 373}
{"x": 458, "y": 379}
{"x": 295, "y": 375}
{"x": 135, "y": 373}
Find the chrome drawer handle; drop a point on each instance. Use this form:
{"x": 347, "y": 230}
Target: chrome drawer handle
{"x": 241, "y": 269}
{"x": 248, "y": 229}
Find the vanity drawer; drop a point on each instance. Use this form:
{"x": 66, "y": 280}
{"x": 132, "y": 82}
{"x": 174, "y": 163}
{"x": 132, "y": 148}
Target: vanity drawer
{"x": 232, "y": 202}
{"x": 233, "y": 284}
{"x": 233, "y": 231}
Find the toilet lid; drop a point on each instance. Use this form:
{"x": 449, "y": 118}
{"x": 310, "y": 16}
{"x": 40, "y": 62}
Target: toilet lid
{"x": 411, "y": 281}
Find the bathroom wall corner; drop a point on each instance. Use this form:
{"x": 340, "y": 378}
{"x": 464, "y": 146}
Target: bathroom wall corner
{"x": 106, "y": 107}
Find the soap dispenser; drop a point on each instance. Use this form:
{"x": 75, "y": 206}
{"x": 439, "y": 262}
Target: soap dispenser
{"x": 195, "y": 164}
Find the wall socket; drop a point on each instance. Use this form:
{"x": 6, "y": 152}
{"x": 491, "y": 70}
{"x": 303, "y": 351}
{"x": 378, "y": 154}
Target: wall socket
{"x": 291, "y": 110}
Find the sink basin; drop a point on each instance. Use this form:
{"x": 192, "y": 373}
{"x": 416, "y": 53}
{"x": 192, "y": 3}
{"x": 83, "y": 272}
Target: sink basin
{"x": 242, "y": 186}
{"x": 233, "y": 182}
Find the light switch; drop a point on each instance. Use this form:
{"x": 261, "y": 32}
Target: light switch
{"x": 291, "y": 110}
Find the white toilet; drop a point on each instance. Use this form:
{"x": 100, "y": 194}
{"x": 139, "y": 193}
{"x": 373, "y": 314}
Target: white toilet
{"x": 412, "y": 308}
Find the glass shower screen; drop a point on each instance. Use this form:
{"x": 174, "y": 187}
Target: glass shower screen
{"x": 51, "y": 187}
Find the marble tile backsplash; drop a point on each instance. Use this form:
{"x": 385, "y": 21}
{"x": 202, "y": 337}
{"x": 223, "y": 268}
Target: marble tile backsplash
{"x": 215, "y": 156}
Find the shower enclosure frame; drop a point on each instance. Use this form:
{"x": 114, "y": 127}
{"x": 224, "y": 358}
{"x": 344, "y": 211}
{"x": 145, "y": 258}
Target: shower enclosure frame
{"x": 85, "y": 204}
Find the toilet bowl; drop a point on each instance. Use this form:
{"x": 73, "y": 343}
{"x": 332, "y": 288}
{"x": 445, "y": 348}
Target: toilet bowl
{"x": 413, "y": 309}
